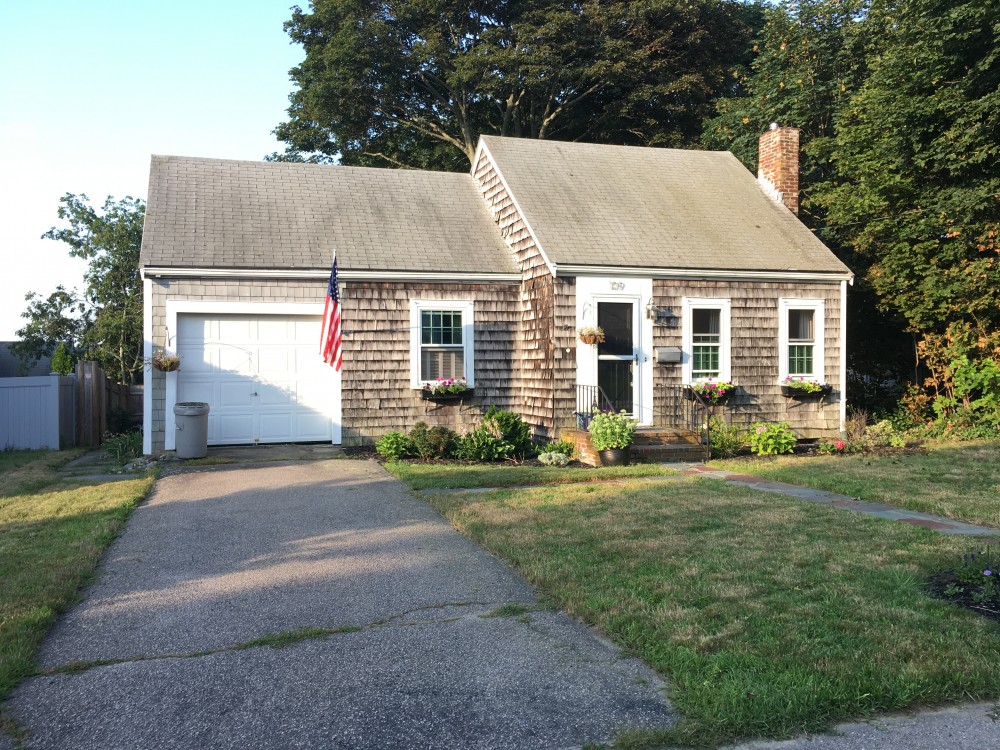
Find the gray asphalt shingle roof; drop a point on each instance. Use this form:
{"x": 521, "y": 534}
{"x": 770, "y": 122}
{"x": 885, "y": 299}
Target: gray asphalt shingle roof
{"x": 215, "y": 213}
{"x": 653, "y": 207}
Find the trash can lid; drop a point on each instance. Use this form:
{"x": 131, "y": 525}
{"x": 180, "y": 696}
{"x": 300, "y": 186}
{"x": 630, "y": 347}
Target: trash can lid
{"x": 190, "y": 409}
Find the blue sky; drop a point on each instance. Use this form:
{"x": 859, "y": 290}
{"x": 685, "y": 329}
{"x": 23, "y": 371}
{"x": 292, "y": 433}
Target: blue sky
{"x": 89, "y": 90}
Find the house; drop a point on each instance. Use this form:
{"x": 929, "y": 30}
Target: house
{"x": 693, "y": 268}
{"x": 12, "y": 366}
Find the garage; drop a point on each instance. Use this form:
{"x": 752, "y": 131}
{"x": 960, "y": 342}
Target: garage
{"x": 262, "y": 376}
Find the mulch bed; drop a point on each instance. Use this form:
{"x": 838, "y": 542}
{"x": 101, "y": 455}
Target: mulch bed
{"x": 940, "y": 581}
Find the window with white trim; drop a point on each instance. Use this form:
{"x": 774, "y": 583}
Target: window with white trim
{"x": 706, "y": 339}
{"x": 441, "y": 341}
{"x": 800, "y": 334}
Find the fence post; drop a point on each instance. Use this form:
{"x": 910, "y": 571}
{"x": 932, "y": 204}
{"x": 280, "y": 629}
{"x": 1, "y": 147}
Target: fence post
{"x": 52, "y": 428}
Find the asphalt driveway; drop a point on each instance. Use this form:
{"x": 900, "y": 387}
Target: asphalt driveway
{"x": 383, "y": 627}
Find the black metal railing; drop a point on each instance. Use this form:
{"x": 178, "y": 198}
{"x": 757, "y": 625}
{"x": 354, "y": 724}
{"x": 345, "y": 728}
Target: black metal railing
{"x": 590, "y": 398}
{"x": 683, "y": 409}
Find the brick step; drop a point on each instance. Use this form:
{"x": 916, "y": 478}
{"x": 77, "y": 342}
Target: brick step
{"x": 666, "y": 437}
{"x": 658, "y": 453}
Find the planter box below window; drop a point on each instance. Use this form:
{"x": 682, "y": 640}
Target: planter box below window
{"x": 444, "y": 398}
{"x": 824, "y": 390}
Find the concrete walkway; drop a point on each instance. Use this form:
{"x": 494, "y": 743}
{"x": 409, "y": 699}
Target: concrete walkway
{"x": 318, "y": 605}
{"x": 822, "y": 497}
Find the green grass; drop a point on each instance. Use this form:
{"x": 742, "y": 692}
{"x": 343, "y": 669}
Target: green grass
{"x": 52, "y": 534}
{"x": 420, "y": 476}
{"x": 956, "y": 480}
{"x": 768, "y": 616}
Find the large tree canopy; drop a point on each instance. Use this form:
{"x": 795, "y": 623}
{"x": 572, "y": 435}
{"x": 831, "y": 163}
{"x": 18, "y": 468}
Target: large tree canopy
{"x": 415, "y": 82}
{"x": 106, "y": 324}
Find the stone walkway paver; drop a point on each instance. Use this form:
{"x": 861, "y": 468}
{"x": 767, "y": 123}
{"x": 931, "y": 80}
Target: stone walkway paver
{"x": 822, "y": 497}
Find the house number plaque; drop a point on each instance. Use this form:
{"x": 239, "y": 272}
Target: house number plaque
{"x": 617, "y": 286}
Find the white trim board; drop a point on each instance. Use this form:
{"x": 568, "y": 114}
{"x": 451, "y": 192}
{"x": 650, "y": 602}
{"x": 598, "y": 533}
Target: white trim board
{"x": 147, "y": 354}
{"x": 700, "y": 273}
{"x": 221, "y": 307}
{"x": 264, "y": 273}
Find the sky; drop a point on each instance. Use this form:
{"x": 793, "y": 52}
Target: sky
{"x": 89, "y": 90}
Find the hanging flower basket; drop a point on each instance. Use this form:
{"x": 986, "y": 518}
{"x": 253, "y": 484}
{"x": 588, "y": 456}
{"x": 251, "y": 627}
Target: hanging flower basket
{"x": 591, "y": 335}
{"x": 165, "y": 362}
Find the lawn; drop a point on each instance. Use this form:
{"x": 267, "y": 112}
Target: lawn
{"x": 956, "y": 480}
{"x": 767, "y": 616}
{"x": 440, "y": 476}
{"x": 52, "y": 534}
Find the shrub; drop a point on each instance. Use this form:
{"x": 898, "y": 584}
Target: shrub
{"x": 609, "y": 430}
{"x": 485, "y": 443}
{"x": 123, "y": 448}
{"x": 560, "y": 446}
{"x": 726, "y": 440}
{"x": 394, "y": 446}
{"x": 770, "y": 439}
{"x": 62, "y": 361}
{"x": 553, "y": 458}
{"x": 120, "y": 421}
{"x": 883, "y": 435}
{"x": 513, "y": 429}
{"x": 432, "y": 442}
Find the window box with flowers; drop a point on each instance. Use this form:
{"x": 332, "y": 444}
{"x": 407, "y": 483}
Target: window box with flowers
{"x": 444, "y": 390}
{"x": 803, "y": 388}
{"x": 710, "y": 392}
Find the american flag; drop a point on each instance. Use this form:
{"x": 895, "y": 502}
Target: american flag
{"x": 330, "y": 341}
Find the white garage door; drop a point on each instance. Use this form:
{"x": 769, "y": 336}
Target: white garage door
{"x": 262, "y": 375}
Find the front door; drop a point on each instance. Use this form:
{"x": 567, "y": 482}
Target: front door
{"x": 616, "y": 357}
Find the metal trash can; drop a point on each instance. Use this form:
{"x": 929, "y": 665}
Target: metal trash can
{"x": 192, "y": 429}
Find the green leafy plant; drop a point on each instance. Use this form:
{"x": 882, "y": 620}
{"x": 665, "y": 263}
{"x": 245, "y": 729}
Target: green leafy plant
{"x": 560, "y": 446}
{"x": 432, "y": 442}
{"x": 62, "y": 361}
{"x": 726, "y": 439}
{"x": 972, "y": 581}
{"x": 394, "y": 446}
{"x": 120, "y": 421}
{"x": 553, "y": 458}
{"x": 123, "y": 448}
{"x": 771, "y": 438}
{"x": 513, "y": 429}
{"x": 882, "y": 435}
{"x": 610, "y": 430}
{"x": 485, "y": 443}
{"x": 713, "y": 392}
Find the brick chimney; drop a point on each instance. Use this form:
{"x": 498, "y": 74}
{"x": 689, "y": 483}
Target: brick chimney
{"x": 778, "y": 164}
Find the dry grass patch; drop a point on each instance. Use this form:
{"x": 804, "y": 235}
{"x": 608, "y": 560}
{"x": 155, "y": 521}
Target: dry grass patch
{"x": 52, "y": 534}
{"x": 768, "y": 616}
{"x": 425, "y": 476}
{"x": 955, "y": 480}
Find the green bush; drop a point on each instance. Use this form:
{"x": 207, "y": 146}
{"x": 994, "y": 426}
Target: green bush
{"x": 432, "y": 442}
{"x": 485, "y": 443}
{"x": 394, "y": 446}
{"x": 882, "y": 435}
{"x": 609, "y": 430}
{"x": 770, "y": 439}
{"x": 62, "y": 361}
{"x": 123, "y": 448}
{"x": 726, "y": 440}
{"x": 553, "y": 458}
{"x": 120, "y": 421}
{"x": 513, "y": 429}
{"x": 560, "y": 446}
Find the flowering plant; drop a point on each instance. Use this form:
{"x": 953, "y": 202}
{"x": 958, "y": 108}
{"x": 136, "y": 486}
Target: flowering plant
{"x": 771, "y": 439}
{"x": 803, "y": 385}
{"x": 609, "y": 430}
{"x": 446, "y": 386}
{"x": 713, "y": 392}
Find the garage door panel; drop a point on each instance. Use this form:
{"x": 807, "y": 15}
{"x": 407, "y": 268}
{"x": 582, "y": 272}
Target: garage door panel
{"x": 261, "y": 375}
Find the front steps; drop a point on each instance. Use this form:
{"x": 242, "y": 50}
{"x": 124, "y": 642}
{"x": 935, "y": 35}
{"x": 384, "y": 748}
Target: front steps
{"x": 652, "y": 445}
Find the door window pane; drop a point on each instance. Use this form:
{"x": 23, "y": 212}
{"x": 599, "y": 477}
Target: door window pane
{"x": 614, "y": 376}
{"x": 615, "y": 318}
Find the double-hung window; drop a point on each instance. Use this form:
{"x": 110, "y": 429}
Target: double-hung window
{"x": 706, "y": 339}
{"x": 441, "y": 344}
{"x": 800, "y": 332}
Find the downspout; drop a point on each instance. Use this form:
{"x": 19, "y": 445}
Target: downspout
{"x": 843, "y": 355}
{"x": 147, "y": 378}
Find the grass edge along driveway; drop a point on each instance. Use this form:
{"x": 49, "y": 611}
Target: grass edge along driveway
{"x": 52, "y": 535}
{"x": 769, "y": 617}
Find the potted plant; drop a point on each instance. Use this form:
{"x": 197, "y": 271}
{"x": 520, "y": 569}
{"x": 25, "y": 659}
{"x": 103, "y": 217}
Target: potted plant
{"x": 612, "y": 434}
{"x": 165, "y": 362}
{"x": 446, "y": 389}
{"x": 591, "y": 335}
{"x": 712, "y": 392}
{"x": 802, "y": 388}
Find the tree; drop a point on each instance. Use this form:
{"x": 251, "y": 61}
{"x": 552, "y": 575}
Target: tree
{"x": 111, "y": 314}
{"x": 62, "y": 318}
{"x": 62, "y": 361}
{"x": 413, "y": 83}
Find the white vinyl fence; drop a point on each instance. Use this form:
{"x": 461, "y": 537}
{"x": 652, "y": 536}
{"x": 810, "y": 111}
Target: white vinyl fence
{"x": 36, "y": 412}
